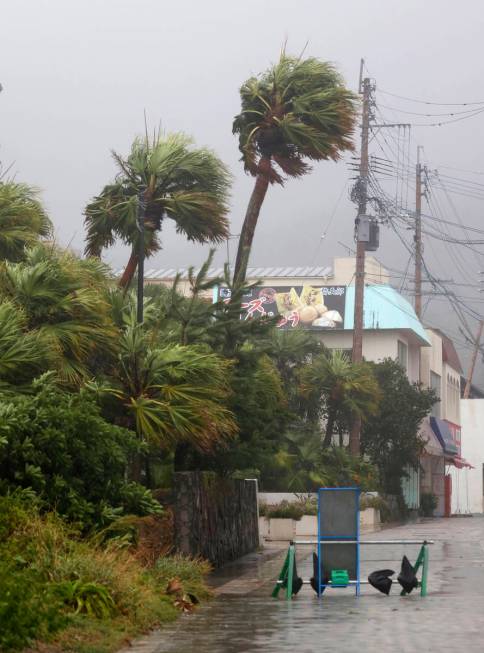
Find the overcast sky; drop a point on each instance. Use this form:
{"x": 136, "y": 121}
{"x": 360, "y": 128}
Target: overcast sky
{"x": 77, "y": 76}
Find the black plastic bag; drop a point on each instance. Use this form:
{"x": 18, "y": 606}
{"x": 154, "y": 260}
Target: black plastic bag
{"x": 314, "y": 580}
{"x": 407, "y": 577}
{"x": 380, "y": 580}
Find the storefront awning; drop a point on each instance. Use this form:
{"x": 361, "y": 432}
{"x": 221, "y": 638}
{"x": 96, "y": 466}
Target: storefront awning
{"x": 461, "y": 462}
{"x": 444, "y": 435}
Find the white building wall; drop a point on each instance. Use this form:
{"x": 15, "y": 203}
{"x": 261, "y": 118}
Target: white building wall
{"x": 431, "y": 358}
{"x": 467, "y": 494}
{"x": 377, "y": 345}
{"x": 450, "y": 394}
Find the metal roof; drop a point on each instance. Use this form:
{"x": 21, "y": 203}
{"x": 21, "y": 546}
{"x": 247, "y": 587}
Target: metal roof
{"x": 252, "y": 273}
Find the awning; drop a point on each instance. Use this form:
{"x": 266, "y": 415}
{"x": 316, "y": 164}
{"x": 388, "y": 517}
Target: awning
{"x": 432, "y": 443}
{"x": 444, "y": 435}
{"x": 461, "y": 462}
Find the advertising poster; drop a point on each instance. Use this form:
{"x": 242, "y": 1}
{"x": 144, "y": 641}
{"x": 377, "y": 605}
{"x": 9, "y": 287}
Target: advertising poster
{"x": 306, "y": 307}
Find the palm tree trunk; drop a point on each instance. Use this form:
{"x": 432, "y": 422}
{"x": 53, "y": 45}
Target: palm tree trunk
{"x": 355, "y": 437}
{"x": 328, "y": 435}
{"x": 250, "y": 221}
{"x": 129, "y": 271}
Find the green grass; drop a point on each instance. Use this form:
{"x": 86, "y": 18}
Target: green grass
{"x": 83, "y": 595}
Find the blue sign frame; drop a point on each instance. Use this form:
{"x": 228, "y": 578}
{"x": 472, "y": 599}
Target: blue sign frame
{"x": 325, "y": 537}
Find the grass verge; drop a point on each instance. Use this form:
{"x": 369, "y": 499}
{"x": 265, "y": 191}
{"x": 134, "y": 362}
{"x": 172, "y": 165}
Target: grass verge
{"x": 62, "y": 592}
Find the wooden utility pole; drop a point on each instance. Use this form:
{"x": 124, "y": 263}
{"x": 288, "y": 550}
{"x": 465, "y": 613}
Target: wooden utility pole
{"x": 360, "y": 244}
{"x": 467, "y": 389}
{"x": 418, "y": 236}
{"x": 357, "y": 355}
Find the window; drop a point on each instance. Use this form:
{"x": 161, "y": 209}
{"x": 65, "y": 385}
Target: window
{"x": 436, "y": 385}
{"x": 402, "y": 356}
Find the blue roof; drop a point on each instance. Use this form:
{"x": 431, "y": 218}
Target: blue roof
{"x": 384, "y": 308}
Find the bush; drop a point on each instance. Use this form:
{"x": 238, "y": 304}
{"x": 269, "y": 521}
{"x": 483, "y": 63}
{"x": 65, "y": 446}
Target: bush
{"x": 284, "y": 510}
{"x": 60, "y": 446}
{"x": 428, "y": 503}
{"x": 54, "y": 583}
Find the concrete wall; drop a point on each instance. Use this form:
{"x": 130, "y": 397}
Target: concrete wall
{"x": 467, "y": 495}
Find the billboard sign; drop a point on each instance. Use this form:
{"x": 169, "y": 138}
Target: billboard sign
{"x": 306, "y": 307}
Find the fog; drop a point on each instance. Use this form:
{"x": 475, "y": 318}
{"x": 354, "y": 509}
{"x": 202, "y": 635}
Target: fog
{"x": 78, "y": 76}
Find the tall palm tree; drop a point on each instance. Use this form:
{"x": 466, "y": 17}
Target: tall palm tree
{"x": 23, "y": 220}
{"x": 340, "y": 390}
{"x": 186, "y": 184}
{"x": 299, "y": 110}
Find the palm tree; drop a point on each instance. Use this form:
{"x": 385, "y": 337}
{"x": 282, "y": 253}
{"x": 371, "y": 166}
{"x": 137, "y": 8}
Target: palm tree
{"x": 189, "y": 185}
{"x": 340, "y": 390}
{"x": 298, "y": 110}
{"x": 23, "y": 353}
{"x": 23, "y": 220}
{"x": 169, "y": 393}
{"x": 61, "y": 297}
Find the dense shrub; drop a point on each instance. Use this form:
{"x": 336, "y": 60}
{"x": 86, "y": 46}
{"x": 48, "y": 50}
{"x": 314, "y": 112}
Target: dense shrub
{"x": 54, "y": 583}
{"x": 60, "y": 446}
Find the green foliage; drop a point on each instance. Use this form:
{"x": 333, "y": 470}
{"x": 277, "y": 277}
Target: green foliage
{"x": 28, "y": 608}
{"x": 390, "y": 438}
{"x": 284, "y": 510}
{"x": 168, "y": 393}
{"x": 339, "y": 469}
{"x": 58, "y": 445}
{"x": 428, "y": 503}
{"x": 92, "y": 599}
{"x": 54, "y": 584}
{"x": 61, "y": 304}
{"x": 186, "y": 184}
{"x": 337, "y": 390}
{"x": 296, "y": 110}
{"x": 23, "y": 220}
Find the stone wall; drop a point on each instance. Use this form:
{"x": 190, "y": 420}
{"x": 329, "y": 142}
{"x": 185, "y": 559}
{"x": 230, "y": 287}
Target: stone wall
{"x": 215, "y": 518}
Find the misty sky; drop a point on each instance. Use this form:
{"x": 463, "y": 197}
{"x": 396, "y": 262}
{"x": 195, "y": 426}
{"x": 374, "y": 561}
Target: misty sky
{"x": 77, "y": 77}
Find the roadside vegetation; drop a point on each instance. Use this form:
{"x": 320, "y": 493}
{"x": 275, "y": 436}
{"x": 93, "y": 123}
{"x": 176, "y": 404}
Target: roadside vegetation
{"x": 97, "y": 412}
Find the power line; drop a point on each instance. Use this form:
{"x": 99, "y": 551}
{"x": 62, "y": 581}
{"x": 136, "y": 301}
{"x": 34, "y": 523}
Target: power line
{"x": 440, "y": 104}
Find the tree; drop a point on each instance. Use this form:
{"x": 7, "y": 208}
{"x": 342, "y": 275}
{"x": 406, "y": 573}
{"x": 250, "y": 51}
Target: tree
{"x": 57, "y": 444}
{"x": 337, "y": 390}
{"x": 390, "y": 437}
{"x": 23, "y": 220}
{"x": 298, "y": 110}
{"x": 178, "y": 181}
{"x": 168, "y": 393}
{"x": 61, "y": 299}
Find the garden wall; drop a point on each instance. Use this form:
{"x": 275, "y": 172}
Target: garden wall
{"x": 215, "y": 518}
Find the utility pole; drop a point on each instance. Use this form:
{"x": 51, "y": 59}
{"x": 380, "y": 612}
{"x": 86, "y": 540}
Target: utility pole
{"x": 357, "y": 352}
{"x": 467, "y": 389}
{"x": 365, "y": 89}
{"x": 418, "y": 236}
{"x": 140, "y": 220}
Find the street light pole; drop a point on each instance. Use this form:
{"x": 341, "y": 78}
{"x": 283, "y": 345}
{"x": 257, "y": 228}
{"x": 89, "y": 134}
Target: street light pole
{"x": 140, "y": 220}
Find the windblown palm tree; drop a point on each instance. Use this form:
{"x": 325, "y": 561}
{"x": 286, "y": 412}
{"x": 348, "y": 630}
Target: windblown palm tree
{"x": 60, "y": 298}
{"x": 169, "y": 394}
{"x": 340, "y": 390}
{"x": 180, "y": 182}
{"x": 23, "y": 220}
{"x": 297, "y": 111}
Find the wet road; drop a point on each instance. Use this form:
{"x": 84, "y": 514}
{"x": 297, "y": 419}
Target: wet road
{"x": 243, "y": 618}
